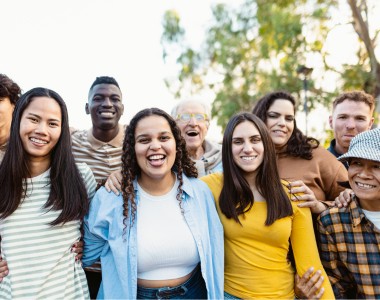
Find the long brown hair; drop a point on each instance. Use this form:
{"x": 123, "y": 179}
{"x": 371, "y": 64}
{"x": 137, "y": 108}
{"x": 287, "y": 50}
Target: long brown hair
{"x": 236, "y": 197}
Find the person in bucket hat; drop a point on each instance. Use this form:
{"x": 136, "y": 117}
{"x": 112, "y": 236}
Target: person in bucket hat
{"x": 350, "y": 236}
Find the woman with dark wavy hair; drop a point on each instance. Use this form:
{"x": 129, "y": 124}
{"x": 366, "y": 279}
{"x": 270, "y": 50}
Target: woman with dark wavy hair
{"x": 44, "y": 197}
{"x": 258, "y": 218}
{"x": 310, "y": 168}
{"x": 161, "y": 238}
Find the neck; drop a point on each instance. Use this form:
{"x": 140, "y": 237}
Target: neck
{"x": 372, "y": 205}
{"x": 37, "y": 167}
{"x": 4, "y": 135}
{"x": 157, "y": 187}
{"x": 105, "y": 135}
{"x": 340, "y": 149}
{"x": 197, "y": 153}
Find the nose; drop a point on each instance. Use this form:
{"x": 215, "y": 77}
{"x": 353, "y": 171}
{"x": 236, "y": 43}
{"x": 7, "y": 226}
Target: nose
{"x": 155, "y": 145}
{"x": 107, "y": 102}
{"x": 281, "y": 121}
{"x": 41, "y": 128}
{"x": 247, "y": 148}
{"x": 365, "y": 172}
{"x": 350, "y": 123}
{"x": 193, "y": 121}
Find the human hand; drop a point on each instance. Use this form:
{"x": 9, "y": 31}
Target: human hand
{"x": 113, "y": 182}
{"x": 300, "y": 191}
{"x": 309, "y": 286}
{"x": 4, "y": 271}
{"x": 78, "y": 249}
{"x": 344, "y": 198}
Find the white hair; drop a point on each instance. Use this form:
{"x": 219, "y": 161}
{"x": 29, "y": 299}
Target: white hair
{"x": 206, "y": 107}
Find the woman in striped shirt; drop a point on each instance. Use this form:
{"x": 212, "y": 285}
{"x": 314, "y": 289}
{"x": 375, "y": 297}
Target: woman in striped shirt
{"x": 44, "y": 196}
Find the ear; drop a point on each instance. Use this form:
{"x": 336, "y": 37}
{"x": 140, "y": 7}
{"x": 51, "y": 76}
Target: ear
{"x": 331, "y": 122}
{"x": 87, "y": 109}
{"x": 371, "y": 123}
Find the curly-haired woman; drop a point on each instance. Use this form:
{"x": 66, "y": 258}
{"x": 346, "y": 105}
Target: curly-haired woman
{"x": 161, "y": 237}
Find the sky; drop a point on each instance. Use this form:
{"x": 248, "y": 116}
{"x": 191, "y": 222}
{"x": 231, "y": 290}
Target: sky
{"x": 65, "y": 45}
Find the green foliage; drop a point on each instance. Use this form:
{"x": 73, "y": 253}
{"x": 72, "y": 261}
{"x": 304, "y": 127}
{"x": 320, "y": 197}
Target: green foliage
{"x": 255, "y": 49}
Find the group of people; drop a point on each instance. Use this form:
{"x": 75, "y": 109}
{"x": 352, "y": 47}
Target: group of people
{"x": 187, "y": 218}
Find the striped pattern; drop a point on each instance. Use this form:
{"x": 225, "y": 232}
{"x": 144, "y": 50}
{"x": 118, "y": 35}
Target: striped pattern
{"x": 41, "y": 265}
{"x": 102, "y": 158}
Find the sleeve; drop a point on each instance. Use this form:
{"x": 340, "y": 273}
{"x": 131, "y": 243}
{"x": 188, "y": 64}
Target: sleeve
{"x": 305, "y": 247}
{"x": 333, "y": 173}
{"x": 330, "y": 258}
{"x": 214, "y": 182}
{"x": 88, "y": 179}
{"x": 96, "y": 229}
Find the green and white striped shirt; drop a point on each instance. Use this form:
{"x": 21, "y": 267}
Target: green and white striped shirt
{"x": 41, "y": 265}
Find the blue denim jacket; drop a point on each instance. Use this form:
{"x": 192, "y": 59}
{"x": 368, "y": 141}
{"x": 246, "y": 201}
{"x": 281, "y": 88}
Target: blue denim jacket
{"x": 104, "y": 238}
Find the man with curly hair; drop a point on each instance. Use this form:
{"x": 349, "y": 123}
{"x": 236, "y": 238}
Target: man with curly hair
{"x": 10, "y": 92}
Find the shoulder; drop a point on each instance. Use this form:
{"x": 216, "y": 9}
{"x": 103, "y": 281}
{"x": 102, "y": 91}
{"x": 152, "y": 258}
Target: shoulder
{"x": 213, "y": 180}
{"x": 106, "y": 201}
{"x": 194, "y": 184}
{"x": 325, "y": 155}
{"x": 88, "y": 178}
{"x": 78, "y": 135}
{"x": 335, "y": 215}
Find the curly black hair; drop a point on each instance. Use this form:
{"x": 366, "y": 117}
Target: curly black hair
{"x": 131, "y": 170}
{"x": 9, "y": 88}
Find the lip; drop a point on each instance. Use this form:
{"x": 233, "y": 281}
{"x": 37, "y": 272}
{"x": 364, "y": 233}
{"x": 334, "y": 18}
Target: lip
{"x": 279, "y": 132}
{"x": 192, "y": 133}
{"x": 364, "y": 186}
{"x": 107, "y": 114}
{"x": 156, "y": 160}
{"x": 38, "y": 142}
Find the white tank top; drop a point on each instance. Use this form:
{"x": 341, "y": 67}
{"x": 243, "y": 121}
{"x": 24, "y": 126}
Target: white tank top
{"x": 166, "y": 248}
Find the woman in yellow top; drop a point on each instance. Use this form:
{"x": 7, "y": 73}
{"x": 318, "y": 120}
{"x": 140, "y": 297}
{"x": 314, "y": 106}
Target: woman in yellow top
{"x": 258, "y": 218}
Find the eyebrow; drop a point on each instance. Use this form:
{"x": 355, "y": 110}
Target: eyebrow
{"x": 160, "y": 133}
{"x": 39, "y": 117}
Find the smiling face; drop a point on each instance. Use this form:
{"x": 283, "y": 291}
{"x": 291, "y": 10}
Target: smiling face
{"x": 349, "y": 118}
{"x": 247, "y": 148}
{"x": 105, "y": 106}
{"x": 155, "y": 148}
{"x": 280, "y": 122}
{"x": 40, "y": 128}
{"x": 194, "y": 132}
{"x": 364, "y": 178}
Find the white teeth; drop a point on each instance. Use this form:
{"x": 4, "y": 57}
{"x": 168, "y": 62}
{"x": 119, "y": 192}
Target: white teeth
{"x": 38, "y": 141}
{"x": 153, "y": 157}
{"x": 108, "y": 114}
{"x": 248, "y": 158}
{"x": 367, "y": 186}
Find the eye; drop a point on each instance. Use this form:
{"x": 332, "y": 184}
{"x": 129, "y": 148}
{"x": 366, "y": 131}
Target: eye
{"x": 256, "y": 139}
{"x": 54, "y": 124}
{"x": 289, "y": 118}
{"x": 33, "y": 119}
{"x": 272, "y": 115}
{"x": 143, "y": 140}
{"x": 237, "y": 141}
{"x": 116, "y": 99}
{"x": 164, "y": 138}
{"x": 355, "y": 163}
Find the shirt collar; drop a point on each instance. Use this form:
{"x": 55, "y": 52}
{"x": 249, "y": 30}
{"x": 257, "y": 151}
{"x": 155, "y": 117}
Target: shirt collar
{"x": 357, "y": 213}
{"x": 116, "y": 142}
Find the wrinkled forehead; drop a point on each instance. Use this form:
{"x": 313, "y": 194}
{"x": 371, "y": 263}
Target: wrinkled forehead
{"x": 191, "y": 107}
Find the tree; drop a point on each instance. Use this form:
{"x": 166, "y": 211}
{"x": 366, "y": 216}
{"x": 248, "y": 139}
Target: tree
{"x": 258, "y": 48}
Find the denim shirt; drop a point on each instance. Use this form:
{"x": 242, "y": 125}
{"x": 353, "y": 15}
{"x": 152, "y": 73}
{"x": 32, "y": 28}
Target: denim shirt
{"x": 104, "y": 238}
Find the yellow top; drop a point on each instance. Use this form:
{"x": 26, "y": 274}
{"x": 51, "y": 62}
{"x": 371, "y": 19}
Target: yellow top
{"x": 256, "y": 264}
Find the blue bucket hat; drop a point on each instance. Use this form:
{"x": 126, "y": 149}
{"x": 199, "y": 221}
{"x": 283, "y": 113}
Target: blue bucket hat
{"x": 365, "y": 145}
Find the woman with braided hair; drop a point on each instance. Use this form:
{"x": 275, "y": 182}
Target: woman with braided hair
{"x": 161, "y": 237}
